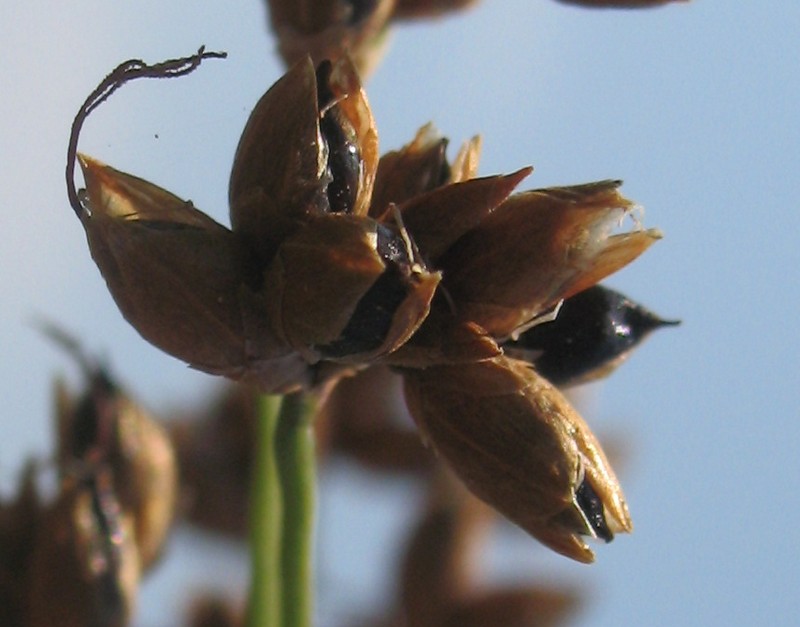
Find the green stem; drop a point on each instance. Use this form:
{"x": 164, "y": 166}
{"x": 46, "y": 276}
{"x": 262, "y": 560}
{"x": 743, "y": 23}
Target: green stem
{"x": 296, "y": 462}
{"x": 265, "y": 517}
{"x": 282, "y": 514}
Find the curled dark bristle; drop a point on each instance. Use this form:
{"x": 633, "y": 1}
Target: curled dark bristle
{"x": 123, "y": 73}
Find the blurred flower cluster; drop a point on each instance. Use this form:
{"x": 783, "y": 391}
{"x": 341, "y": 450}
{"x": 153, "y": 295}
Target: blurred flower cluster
{"x": 75, "y": 558}
{"x": 327, "y": 29}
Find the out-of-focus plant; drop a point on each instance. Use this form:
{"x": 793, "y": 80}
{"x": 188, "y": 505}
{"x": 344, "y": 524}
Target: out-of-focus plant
{"x": 328, "y": 29}
{"x": 75, "y": 559}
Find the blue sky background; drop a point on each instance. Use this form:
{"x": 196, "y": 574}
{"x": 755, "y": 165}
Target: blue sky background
{"x": 695, "y": 106}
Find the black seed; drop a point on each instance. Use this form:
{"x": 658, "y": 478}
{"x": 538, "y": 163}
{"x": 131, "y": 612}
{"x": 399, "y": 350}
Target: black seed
{"x": 592, "y": 329}
{"x": 592, "y": 507}
{"x": 392, "y": 248}
{"x": 373, "y": 316}
{"x": 344, "y": 157}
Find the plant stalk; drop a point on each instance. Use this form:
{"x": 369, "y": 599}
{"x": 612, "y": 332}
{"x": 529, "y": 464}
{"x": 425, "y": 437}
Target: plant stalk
{"x": 265, "y": 519}
{"x": 296, "y": 461}
{"x": 282, "y": 513}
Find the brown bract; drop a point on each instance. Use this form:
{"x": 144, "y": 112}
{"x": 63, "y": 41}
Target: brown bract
{"x": 536, "y": 249}
{"x": 280, "y": 170}
{"x": 517, "y": 444}
{"x": 175, "y": 274}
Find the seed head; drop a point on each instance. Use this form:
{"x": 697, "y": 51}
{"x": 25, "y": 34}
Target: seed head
{"x": 337, "y": 261}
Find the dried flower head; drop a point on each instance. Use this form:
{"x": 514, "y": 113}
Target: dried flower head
{"x": 331, "y": 29}
{"x": 518, "y": 444}
{"x": 104, "y": 431}
{"x": 69, "y": 560}
{"x": 84, "y": 568}
{"x": 337, "y": 261}
{"x": 441, "y": 561}
{"x": 76, "y": 558}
